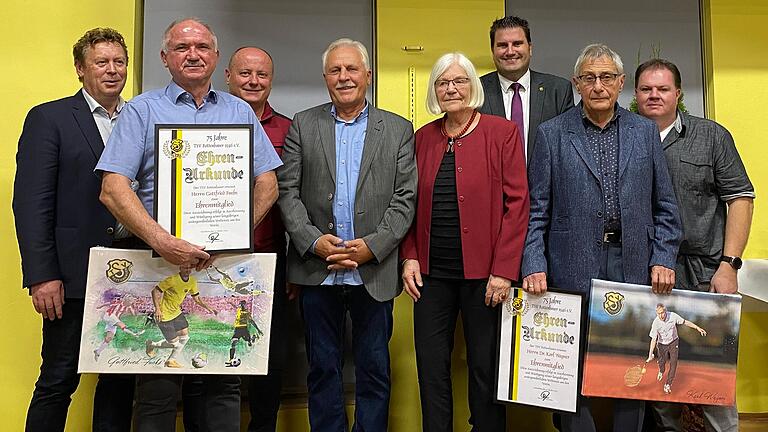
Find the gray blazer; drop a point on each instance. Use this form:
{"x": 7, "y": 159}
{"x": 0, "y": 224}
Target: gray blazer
{"x": 385, "y": 200}
{"x": 550, "y": 97}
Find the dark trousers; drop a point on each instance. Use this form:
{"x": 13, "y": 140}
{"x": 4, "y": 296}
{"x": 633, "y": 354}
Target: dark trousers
{"x": 627, "y": 414}
{"x": 264, "y": 391}
{"x": 113, "y": 400}
{"x": 668, "y": 353}
{"x": 324, "y": 309}
{"x": 434, "y": 324}
{"x": 158, "y": 395}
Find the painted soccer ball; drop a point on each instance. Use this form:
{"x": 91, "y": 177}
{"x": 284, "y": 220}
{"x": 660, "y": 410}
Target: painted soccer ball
{"x": 235, "y": 362}
{"x": 200, "y": 360}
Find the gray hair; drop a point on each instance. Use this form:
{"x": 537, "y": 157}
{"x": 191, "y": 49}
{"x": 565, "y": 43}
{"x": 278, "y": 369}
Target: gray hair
{"x": 596, "y": 51}
{"x": 167, "y": 33}
{"x": 477, "y": 95}
{"x": 338, "y": 43}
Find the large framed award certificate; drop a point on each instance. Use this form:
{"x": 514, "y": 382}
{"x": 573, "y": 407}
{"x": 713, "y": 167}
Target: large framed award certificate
{"x": 540, "y": 350}
{"x": 204, "y": 184}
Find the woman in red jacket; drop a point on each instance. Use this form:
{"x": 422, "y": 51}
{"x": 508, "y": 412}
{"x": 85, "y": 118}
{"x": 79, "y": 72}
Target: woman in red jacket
{"x": 465, "y": 245}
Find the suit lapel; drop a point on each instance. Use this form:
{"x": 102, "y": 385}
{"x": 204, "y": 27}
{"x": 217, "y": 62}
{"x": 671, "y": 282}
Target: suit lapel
{"x": 325, "y": 125}
{"x": 627, "y": 138}
{"x": 84, "y": 118}
{"x": 578, "y": 138}
{"x": 536, "y": 107}
{"x": 495, "y": 98}
{"x": 374, "y": 137}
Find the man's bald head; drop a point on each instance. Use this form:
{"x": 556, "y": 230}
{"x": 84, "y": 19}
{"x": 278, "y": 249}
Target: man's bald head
{"x": 249, "y": 76}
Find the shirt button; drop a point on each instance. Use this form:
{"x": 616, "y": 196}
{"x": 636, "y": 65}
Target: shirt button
{"x": 461, "y": 198}
{"x": 458, "y": 143}
{"x": 466, "y": 230}
{"x": 110, "y": 230}
{"x": 599, "y": 214}
{"x": 330, "y": 197}
{"x": 330, "y": 225}
{"x": 459, "y": 169}
{"x": 598, "y": 242}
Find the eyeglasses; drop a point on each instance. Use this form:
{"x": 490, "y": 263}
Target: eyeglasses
{"x": 605, "y": 78}
{"x": 457, "y": 82}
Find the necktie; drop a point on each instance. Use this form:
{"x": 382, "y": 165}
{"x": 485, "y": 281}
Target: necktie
{"x": 517, "y": 110}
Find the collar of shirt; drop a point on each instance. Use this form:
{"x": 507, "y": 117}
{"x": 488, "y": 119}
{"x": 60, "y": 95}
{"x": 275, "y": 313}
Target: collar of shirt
{"x": 175, "y": 93}
{"x": 268, "y": 113}
{"x": 588, "y": 122}
{"x": 363, "y": 114}
{"x": 525, "y": 82}
{"x": 95, "y": 106}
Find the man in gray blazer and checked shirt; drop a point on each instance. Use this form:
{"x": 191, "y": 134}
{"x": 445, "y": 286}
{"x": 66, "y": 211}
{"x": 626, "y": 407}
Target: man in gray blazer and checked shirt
{"x": 347, "y": 197}
{"x": 513, "y": 90}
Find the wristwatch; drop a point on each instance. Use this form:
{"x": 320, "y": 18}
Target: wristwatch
{"x": 735, "y": 262}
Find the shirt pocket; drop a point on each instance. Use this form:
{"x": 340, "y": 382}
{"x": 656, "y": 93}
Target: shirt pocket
{"x": 696, "y": 173}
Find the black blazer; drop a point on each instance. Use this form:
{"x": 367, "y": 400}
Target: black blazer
{"x": 56, "y": 194}
{"x": 550, "y": 97}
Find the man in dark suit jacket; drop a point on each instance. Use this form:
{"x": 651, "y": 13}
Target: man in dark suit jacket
{"x": 541, "y": 96}
{"x": 59, "y": 218}
{"x": 602, "y": 204}
{"x": 347, "y": 196}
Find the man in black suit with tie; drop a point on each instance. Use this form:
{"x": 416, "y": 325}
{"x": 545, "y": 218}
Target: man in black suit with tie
{"x": 59, "y": 217}
{"x": 514, "y": 91}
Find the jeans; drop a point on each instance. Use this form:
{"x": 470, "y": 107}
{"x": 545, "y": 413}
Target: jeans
{"x": 627, "y": 414}
{"x": 324, "y": 309}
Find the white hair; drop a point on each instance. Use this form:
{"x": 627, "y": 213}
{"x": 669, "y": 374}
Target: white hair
{"x": 596, "y": 51}
{"x": 477, "y": 95}
{"x": 167, "y": 33}
{"x": 338, "y": 43}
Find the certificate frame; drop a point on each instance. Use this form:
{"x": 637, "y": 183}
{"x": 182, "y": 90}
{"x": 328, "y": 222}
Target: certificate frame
{"x": 510, "y": 338}
{"x": 219, "y": 220}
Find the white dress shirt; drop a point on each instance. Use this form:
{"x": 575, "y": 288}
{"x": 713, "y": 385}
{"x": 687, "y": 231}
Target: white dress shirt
{"x": 525, "y": 96}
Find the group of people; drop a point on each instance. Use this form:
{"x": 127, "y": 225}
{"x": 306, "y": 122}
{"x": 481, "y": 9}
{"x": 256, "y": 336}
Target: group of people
{"x": 512, "y": 183}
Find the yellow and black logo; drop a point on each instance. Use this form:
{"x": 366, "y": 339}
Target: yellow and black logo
{"x": 119, "y": 270}
{"x": 176, "y": 148}
{"x": 517, "y": 306}
{"x": 613, "y": 303}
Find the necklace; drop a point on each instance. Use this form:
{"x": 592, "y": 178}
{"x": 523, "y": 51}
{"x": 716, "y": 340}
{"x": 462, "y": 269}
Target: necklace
{"x": 452, "y": 138}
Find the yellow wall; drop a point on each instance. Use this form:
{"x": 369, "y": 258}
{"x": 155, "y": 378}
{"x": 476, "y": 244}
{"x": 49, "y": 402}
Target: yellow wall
{"x": 739, "y": 37}
{"x": 37, "y": 46}
{"x": 37, "y": 43}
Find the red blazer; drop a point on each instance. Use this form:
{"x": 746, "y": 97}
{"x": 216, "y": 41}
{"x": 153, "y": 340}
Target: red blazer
{"x": 492, "y": 189}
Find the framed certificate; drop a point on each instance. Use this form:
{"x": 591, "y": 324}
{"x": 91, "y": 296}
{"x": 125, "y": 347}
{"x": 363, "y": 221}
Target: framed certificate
{"x": 204, "y": 184}
{"x": 540, "y": 350}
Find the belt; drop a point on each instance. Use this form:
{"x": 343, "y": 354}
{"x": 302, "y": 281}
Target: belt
{"x": 612, "y": 237}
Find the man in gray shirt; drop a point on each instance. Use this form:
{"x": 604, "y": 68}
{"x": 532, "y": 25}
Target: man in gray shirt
{"x": 715, "y": 200}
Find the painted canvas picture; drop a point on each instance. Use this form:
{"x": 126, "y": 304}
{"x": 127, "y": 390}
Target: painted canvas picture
{"x": 679, "y": 347}
{"x": 144, "y": 315}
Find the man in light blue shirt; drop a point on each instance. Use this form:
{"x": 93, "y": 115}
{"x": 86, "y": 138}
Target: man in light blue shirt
{"x": 347, "y": 196}
{"x": 190, "y": 53}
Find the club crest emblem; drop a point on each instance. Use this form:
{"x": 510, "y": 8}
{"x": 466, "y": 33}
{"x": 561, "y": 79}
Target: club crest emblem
{"x": 516, "y": 306}
{"x": 119, "y": 270}
{"x": 613, "y": 303}
{"x": 176, "y": 148}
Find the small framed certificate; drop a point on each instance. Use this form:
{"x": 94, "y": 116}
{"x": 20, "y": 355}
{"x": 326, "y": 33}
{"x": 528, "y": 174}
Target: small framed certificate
{"x": 540, "y": 350}
{"x": 204, "y": 184}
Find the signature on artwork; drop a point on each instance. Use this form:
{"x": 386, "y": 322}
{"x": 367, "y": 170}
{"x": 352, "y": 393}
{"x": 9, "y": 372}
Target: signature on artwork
{"x": 705, "y": 395}
{"x": 120, "y": 361}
